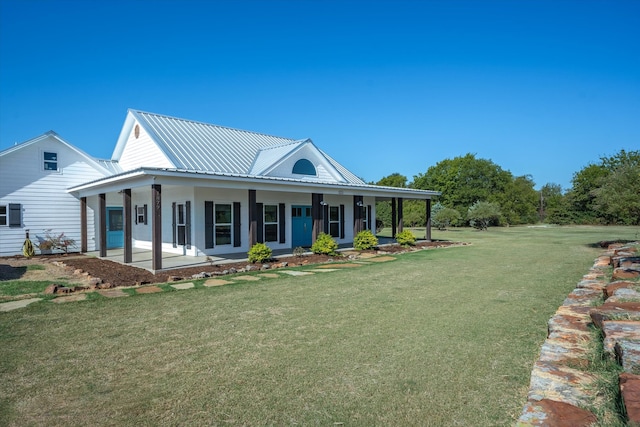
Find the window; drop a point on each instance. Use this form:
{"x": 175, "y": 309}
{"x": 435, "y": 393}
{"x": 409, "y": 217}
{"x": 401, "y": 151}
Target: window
{"x": 271, "y": 223}
{"x": 50, "y": 161}
{"x": 304, "y": 167}
{"x": 11, "y": 215}
{"x": 223, "y": 224}
{"x": 364, "y": 214}
{"x": 334, "y": 221}
{"x": 141, "y": 214}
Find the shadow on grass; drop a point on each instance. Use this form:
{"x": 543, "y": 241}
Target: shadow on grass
{"x": 606, "y": 243}
{"x": 8, "y": 272}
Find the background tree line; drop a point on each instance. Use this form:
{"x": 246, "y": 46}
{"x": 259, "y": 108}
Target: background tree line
{"x": 480, "y": 193}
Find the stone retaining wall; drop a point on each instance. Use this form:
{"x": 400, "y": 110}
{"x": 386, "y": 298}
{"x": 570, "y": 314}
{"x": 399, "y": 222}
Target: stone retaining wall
{"x": 561, "y": 388}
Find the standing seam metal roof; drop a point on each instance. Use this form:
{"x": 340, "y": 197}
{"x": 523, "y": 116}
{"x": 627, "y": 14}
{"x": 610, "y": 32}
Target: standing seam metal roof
{"x": 199, "y": 146}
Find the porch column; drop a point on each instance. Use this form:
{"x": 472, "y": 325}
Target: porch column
{"x": 126, "y": 219}
{"x": 83, "y": 224}
{"x": 253, "y": 218}
{"x": 357, "y": 214}
{"x": 102, "y": 207}
{"x": 394, "y": 221}
{"x": 428, "y": 236}
{"x": 316, "y": 215}
{"x": 400, "y": 217}
{"x": 156, "y": 227}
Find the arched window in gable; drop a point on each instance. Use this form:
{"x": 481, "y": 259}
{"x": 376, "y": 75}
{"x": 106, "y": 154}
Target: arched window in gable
{"x": 304, "y": 167}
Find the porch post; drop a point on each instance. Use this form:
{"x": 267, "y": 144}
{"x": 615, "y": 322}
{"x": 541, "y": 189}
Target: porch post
{"x": 428, "y": 236}
{"x": 394, "y": 221}
{"x": 126, "y": 218}
{"x": 253, "y": 219}
{"x": 83, "y": 224}
{"x": 102, "y": 197}
{"x": 400, "y": 217}
{"x": 156, "y": 227}
{"x": 316, "y": 215}
{"x": 357, "y": 214}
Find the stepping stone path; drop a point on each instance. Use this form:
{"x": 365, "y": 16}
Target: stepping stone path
{"x": 561, "y": 388}
{"x": 118, "y": 292}
{"x": 183, "y": 286}
{"x": 14, "y": 305}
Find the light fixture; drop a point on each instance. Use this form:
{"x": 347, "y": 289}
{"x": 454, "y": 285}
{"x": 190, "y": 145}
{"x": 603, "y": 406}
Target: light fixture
{"x": 323, "y": 203}
{"x": 359, "y": 203}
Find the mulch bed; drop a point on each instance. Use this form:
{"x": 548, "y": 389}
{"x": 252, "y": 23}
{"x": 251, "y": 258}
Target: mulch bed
{"x": 117, "y": 274}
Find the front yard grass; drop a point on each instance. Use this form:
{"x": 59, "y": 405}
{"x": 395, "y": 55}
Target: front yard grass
{"x": 434, "y": 338}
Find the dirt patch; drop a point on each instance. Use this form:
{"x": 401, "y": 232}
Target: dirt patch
{"x": 66, "y": 267}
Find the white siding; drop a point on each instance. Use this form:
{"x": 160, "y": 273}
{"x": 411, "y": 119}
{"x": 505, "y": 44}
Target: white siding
{"x": 142, "y": 151}
{"x": 42, "y": 194}
{"x": 324, "y": 169}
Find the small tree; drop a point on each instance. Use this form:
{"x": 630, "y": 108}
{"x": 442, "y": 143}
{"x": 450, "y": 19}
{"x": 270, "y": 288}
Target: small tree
{"x": 482, "y": 214}
{"x": 445, "y": 217}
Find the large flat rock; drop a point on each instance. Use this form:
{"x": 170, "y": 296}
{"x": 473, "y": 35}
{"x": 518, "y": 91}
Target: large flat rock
{"x": 586, "y": 297}
{"x": 630, "y": 390}
{"x": 628, "y": 355}
{"x": 549, "y": 413}
{"x": 562, "y": 384}
{"x": 615, "y": 310}
{"x": 615, "y": 330}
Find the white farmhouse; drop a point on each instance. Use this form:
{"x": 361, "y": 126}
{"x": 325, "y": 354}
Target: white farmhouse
{"x": 177, "y": 186}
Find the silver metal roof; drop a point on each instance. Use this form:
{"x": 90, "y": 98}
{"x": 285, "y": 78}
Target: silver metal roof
{"x": 198, "y": 146}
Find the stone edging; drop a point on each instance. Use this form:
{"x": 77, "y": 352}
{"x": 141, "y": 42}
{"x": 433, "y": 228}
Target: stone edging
{"x": 560, "y": 388}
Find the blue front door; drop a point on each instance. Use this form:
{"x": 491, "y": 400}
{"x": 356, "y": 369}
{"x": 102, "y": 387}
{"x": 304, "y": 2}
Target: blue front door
{"x": 301, "y": 226}
{"x": 115, "y": 229}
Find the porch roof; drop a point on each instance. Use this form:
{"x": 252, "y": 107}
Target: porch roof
{"x": 147, "y": 176}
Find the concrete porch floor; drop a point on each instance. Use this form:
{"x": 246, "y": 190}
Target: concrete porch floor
{"x": 142, "y": 258}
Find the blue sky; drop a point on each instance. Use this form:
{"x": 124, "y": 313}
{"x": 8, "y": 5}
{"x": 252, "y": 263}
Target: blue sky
{"x": 541, "y": 88}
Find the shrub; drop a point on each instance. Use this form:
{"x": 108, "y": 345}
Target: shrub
{"x": 406, "y": 238}
{"x": 298, "y": 251}
{"x": 365, "y": 240}
{"x": 55, "y": 241}
{"x": 259, "y": 253}
{"x": 325, "y": 245}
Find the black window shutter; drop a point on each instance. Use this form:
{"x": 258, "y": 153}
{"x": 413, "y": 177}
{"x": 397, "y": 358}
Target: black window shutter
{"x": 15, "y": 214}
{"x": 325, "y": 216}
{"x": 342, "y": 221}
{"x": 188, "y": 223}
{"x": 135, "y": 214}
{"x": 260, "y": 230}
{"x": 145, "y": 214}
{"x": 173, "y": 223}
{"x": 281, "y": 222}
{"x": 369, "y": 223}
{"x": 208, "y": 225}
{"x": 237, "y": 241}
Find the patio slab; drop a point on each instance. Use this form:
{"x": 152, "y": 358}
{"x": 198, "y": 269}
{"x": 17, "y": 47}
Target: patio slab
{"x": 269, "y": 275}
{"x": 246, "y": 278}
{"x": 113, "y": 293}
{"x": 148, "y": 290}
{"x": 297, "y": 273}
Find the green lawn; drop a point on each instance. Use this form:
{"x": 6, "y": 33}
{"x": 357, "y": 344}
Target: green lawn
{"x": 443, "y": 337}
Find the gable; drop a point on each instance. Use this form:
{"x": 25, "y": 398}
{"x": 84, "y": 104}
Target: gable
{"x": 140, "y": 150}
{"x": 307, "y": 155}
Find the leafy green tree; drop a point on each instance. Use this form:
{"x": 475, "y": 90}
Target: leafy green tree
{"x": 552, "y": 203}
{"x": 464, "y": 180}
{"x": 600, "y": 191}
{"x": 519, "y": 201}
{"x": 393, "y": 180}
{"x": 618, "y": 198}
{"x": 483, "y": 214}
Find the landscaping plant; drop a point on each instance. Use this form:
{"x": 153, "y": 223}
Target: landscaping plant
{"x": 365, "y": 240}
{"x": 259, "y": 253}
{"x": 325, "y": 245}
{"x": 405, "y": 238}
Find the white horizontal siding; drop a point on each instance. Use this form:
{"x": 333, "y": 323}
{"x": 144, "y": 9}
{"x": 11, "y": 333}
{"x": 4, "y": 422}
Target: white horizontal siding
{"x": 42, "y": 194}
{"x": 142, "y": 151}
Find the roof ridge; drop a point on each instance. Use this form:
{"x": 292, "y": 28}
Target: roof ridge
{"x": 214, "y": 125}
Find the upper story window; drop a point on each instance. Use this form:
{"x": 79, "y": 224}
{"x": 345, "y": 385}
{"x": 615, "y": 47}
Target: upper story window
{"x": 50, "y": 161}
{"x": 304, "y": 167}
